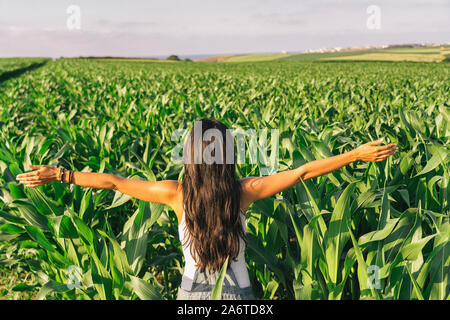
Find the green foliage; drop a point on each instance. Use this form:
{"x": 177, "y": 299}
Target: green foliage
{"x": 173, "y": 57}
{"x": 216, "y": 293}
{"x": 11, "y": 64}
{"x": 313, "y": 241}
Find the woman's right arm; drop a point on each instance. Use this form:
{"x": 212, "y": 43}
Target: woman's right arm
{"x": 164, "y": 191}
{"x": 256, "y": 188}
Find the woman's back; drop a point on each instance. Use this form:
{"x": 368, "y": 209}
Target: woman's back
{"x": 197, "y": 285}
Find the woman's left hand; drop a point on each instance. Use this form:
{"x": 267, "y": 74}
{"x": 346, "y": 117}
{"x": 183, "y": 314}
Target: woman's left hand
{"x": 371, "y": 152}
{"x": 44, "y": 174}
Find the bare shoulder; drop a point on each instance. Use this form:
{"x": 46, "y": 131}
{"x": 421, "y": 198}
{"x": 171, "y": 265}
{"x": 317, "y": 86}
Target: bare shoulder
{"x": 248, "y": 183}
{"x": 177, "y": 200}
{"x": 170, "y": 185}
{"x": 169, "y": 188}
{"x": 248, "y": 186}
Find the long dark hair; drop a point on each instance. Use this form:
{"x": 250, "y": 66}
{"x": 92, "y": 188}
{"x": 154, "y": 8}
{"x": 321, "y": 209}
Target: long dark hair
{"x": 211, "y": 195}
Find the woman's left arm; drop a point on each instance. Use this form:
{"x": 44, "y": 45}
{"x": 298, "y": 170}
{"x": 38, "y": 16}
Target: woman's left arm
{"x": 256, "y": 188}
{"x": 153, "y": 191}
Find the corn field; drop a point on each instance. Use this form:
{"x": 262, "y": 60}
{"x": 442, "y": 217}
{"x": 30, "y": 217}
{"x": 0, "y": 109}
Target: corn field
{"x": 371, "y": 230}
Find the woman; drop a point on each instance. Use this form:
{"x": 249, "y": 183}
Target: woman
{"x": 210, "y": 202}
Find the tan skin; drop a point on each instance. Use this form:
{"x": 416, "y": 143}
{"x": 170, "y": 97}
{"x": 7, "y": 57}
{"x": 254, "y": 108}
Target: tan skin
{"x": 169, "y": 191}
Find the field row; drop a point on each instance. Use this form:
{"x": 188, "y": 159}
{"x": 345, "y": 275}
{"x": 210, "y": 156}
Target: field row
{"x": 321, "y": 239}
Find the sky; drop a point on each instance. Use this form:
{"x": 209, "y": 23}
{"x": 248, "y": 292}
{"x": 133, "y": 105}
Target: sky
{"x": 138, "y": 28}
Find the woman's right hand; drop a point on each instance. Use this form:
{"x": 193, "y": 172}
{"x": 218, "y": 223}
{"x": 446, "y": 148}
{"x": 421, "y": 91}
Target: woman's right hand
{"x": 371, "y": 152}
{"x": 44, "y": 174}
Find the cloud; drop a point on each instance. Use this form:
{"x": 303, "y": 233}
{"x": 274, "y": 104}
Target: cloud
{"x": 232, "y": 27}
{"x": 124, "y": 25}
{"x": 57, "y": 43}
{"x": 278, "y": 18}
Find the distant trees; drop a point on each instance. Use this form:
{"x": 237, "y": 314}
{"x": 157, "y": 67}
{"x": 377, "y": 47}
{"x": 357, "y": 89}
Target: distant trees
{"x": 177, "y": 58}
{"x": 173, "y": 57}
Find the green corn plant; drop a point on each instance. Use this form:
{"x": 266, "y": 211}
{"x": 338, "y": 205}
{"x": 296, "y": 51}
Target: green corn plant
{"x": 326, "y": 238}
{"x": 216, "y": 293}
